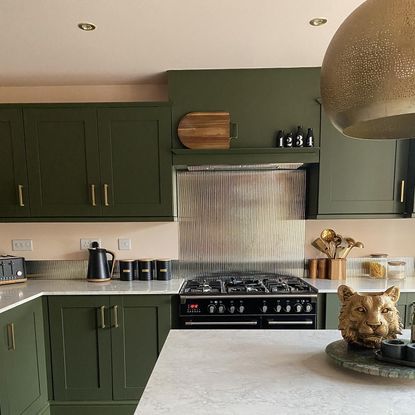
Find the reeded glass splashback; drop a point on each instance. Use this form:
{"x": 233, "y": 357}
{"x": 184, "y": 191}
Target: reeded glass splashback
{"x": 241, "y": 220}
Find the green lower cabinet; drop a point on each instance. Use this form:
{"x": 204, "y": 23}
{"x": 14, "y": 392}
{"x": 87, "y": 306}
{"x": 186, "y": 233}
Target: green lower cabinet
{"x": 81, "y": 348}
{"x": 22, "y": 358}
{"x": 140, "y": 326}
{"x": 333, "y": 309}
{"x": 104, "y": 349}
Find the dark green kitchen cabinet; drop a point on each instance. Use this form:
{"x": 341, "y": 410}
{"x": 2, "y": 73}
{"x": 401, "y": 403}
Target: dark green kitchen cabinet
{"x": 135, "y": 158}
{"x": 104, "y": 347}
{"x": 63, "y": 161}
{"x": 22, "y": 361}
{"x": 139, "y": 328}
{"x": 14, "y": 197}
{"x": 358, "y": 177}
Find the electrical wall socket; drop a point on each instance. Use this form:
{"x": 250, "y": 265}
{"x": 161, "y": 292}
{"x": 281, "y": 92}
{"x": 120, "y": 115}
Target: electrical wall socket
{"x": 86, "y": 242}
{"x": 22, "y": 245}
{"x": 124, "y": 244}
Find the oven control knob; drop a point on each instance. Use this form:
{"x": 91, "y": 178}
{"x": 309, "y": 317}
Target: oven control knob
{"x": 298, "y": 308}
{"x": 278, "y": 308}
{"x": 263, "y": 308}
{"x": 287, "y": 308}
{"x": 308, "y": 308}
{"x": 221, "y": 309}
{"x": 241, "y": 308}
{"x": 232, "y": 309}
{"x": 211, "y": 308}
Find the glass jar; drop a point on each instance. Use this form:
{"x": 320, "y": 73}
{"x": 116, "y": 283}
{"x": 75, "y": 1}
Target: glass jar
{"x": 378, "y": 265}
{"x": 396, "y": 270}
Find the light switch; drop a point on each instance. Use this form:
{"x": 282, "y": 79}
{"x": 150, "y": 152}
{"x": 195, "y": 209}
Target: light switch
{"x": 124, "y": 244}
{"x": 22, "y": 245}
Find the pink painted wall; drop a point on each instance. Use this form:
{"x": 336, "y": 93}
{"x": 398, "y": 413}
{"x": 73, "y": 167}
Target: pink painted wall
{"x": 62, "y": 240}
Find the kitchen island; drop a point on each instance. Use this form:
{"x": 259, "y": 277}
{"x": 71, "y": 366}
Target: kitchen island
{"x": 264, "y": 372}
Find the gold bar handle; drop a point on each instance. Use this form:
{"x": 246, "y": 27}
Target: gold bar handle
{"x": 93, "y": 198}
{"x": 115, "y": 310}
{"x": 106, "y": 186}
{"x": 402, "y": 191}
{"x": 20, "y": 189}
{"x": 11, "y": 337}
{"x": 102, "y": 315}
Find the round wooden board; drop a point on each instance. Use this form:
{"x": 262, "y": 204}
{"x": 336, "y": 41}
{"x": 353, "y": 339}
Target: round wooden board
{"x": 363, "y": 360}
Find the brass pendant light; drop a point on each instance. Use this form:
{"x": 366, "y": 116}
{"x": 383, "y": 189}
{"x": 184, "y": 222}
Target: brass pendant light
{"x": 368, "y": 72}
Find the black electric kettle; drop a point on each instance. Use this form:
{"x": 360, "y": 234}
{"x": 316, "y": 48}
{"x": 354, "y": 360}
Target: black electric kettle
{"x": 98, "y": 266}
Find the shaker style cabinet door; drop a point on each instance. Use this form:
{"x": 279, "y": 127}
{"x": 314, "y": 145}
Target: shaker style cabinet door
{"x": 80, "y": 336}
{"x": 14, "y": 196}
{"x": 140, "y": 325}
{"x": 135, "y": 159}
{"x": 23, "y": 364}
{"x": 63, "y": 161}
{"x": 359, "y": 177}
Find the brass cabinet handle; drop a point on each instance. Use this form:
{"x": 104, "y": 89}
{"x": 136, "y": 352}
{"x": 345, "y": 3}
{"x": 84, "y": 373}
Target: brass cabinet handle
{"x": 402, "y": 191}
{"x": 20, "y": 189}
{"x": 102, "y": 315}
{"x": 106, "y": 203}
{"x": 93, "y": 198}
{"x": 115, "y": 310}
{"x": 10, "y": 337}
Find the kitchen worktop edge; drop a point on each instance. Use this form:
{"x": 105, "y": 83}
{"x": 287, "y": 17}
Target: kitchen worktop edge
{"x": 17, "y": 294}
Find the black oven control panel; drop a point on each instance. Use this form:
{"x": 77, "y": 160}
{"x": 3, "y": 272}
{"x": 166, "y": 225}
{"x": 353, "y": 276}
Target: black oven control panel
{"x": 247, "y": 306}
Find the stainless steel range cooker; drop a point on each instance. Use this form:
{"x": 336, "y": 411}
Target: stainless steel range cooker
{"x": 251, "y": 300}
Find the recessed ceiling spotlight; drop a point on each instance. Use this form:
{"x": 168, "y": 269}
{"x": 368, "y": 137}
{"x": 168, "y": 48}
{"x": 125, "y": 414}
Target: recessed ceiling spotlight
{"x": 87, "y": 26}
{"x": 318, "y": 21}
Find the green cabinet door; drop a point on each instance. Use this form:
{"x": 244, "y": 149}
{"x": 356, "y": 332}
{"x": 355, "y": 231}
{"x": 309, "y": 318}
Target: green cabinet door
{"x": 81, "y": 348}
{"x": 63, "y": 161}
{"x": 14, "y": 196}
{"x": 23, "y": 364}
{"x": 360, "y": 177}
{"x": 140, "y": 325}
{"x": 135, "y": 156}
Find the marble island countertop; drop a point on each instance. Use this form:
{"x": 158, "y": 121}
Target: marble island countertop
{"x": 364, "y": 284}
{"x": 264, "y": 372}
{"x": 16, "y": 294}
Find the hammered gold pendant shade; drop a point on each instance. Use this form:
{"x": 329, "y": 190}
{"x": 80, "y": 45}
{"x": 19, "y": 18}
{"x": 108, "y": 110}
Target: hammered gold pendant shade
{"x": 368, "y": 72}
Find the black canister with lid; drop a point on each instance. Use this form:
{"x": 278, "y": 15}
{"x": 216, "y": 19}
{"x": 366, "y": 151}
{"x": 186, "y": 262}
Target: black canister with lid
{"x": 163, "y": 269}
{"x": 145, "y": 269}
{"x": 126, "y": 269}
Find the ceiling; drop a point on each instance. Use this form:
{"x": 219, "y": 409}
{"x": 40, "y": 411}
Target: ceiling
{"x": 136, "y": 41}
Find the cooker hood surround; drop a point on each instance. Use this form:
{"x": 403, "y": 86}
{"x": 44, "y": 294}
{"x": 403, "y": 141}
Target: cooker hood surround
{"x": 246, "y": 167}
{"x": 244, "y": 219}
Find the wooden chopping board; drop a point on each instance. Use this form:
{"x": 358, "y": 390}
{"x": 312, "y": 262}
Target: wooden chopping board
{"x": 205, "y": 130}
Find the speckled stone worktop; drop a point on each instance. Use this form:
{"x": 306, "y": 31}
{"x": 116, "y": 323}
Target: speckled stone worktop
{"x": 15, "y": 294}
{"x": 264, "y": 372}
{"x": 363, "y": 284}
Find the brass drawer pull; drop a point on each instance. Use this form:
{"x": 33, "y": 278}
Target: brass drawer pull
{"x": 93, "y": 198}
{"x": 102, "y": 315}
{"x": 20, "y": 189}
{"x": 115, "y": 310}
{"x": 10, "y": 337}
{"x": 402, "y": 191}
{"x": 106, "y": 186}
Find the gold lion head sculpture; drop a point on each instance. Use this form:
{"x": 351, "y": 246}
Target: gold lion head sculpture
{"x": 367, "y": 319}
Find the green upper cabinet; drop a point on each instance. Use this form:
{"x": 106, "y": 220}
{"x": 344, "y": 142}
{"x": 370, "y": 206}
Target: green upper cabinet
{"x": 63, "y": 161}
{"x": 14, "y": 197}
{"x": 358, "y": 177}
{"x": 135, "y": 157}
{"x": 22, "y": 358}
{"x": 86, "y": 161}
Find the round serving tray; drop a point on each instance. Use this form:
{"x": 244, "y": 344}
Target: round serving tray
{"x": 364, "y": 360}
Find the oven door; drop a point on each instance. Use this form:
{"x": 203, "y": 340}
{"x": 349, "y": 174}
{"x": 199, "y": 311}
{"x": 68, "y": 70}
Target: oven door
{"x": 218, "y": 322}
{"x": 287, "y": 322}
